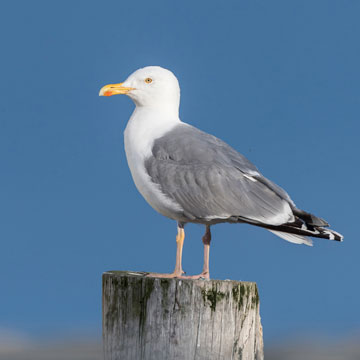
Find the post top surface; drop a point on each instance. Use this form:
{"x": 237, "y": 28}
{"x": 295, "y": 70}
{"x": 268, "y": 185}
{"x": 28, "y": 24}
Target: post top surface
{"x": 142, "y": 274}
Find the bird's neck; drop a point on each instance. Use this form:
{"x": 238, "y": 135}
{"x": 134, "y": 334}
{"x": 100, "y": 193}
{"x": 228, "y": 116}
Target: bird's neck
{"x": 146, "y": 125}
{"x": 146, "y": 117}
{"x": 163, "y": 109}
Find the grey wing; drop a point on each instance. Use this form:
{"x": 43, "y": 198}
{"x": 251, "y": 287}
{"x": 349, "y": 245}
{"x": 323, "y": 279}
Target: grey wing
{"x": 212, "y": 181}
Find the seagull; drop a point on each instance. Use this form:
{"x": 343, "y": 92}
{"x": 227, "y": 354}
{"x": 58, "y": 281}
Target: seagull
{"x": 193, "y": 177}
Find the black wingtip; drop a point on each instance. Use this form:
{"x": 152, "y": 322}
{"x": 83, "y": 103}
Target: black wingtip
{"x": 310, "y": 219}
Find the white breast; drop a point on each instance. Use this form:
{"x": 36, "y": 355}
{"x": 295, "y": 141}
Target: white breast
{"x": 141, "y": 131}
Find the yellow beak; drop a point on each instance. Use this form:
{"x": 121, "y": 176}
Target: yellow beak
{"x": 114, "y": 89}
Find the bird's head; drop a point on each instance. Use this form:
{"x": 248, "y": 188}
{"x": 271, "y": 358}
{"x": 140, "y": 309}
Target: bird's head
{"x": 151, "y": 86}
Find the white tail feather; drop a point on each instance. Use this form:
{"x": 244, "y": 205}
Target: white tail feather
{"x": 293, "y": 238}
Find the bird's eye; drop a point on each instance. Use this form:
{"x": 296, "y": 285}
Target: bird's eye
{"x": 148, "y": 80}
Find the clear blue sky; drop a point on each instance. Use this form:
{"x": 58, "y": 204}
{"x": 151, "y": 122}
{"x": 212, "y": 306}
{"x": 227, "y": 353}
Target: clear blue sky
{"x": 278, "y": 80}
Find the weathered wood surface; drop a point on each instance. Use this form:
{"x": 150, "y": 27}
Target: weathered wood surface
{"x": 168, "y": 319}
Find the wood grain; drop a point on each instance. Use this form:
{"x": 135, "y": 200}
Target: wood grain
{"x": 148, "y": 318}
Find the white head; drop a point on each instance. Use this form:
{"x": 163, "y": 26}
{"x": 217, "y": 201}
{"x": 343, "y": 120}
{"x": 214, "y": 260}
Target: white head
{"x": 151, "y": 86}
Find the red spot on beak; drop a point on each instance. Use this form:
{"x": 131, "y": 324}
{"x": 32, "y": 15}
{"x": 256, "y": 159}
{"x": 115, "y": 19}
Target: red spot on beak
{"x": 108, "y": 93}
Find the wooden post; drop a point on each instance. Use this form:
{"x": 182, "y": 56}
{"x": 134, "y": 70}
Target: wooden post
{"x": 148, "y": 318}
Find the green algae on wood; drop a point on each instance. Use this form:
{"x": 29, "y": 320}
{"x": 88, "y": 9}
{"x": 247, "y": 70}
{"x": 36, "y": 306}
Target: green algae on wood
{"x": 212, "y": 296}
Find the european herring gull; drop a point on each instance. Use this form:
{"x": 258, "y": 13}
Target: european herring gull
{"x": 193, "y": 177}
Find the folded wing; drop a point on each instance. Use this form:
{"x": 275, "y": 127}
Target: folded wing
{"x": 212, "y": 181}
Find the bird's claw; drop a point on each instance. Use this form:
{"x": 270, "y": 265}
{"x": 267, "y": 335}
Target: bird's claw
{"x": 177, "y": 275}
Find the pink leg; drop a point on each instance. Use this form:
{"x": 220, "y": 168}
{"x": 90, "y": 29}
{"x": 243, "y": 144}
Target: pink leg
{"x": 206, "y": 271}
